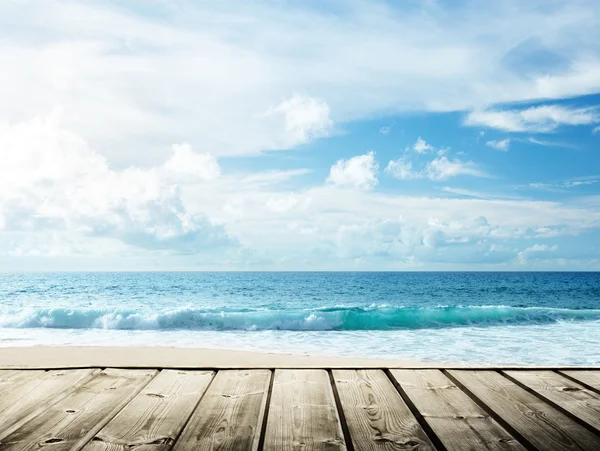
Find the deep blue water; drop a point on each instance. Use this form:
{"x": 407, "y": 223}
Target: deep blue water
{"x": 294, "y": 312}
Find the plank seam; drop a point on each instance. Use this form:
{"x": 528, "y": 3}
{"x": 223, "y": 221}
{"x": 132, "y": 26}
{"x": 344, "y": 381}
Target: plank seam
{"x": 105, "y": 420}
{"x": 189, "y": 418}
{"x": 551, "y": 403}
{"x": 574, "y": 379}
{"x": 341, "y": 414}
{"x": 263, "y": 426}
{"x": 492, "y": 413}
{"x": 416, "y": 413}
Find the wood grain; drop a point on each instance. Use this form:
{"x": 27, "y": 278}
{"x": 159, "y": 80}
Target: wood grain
{"x": 230, "y": 415}
{"x": 542, "y": 425}
{"x": 155, "y": 417}
{"x": 377, "y": 417}
{"x": 26, "y": 399}
{"x": 302, "y": 413}
{"x": 573, "y": 397}
{"x": 11, "y": 379}
{"x": 456, "y": 419}
{"x": 591, "y": 378}
{"x": 71, "y": 422}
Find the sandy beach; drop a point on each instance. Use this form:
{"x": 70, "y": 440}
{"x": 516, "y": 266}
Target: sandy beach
{"x": 46, "y": 357}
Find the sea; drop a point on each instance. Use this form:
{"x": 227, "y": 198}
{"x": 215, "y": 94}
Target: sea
{"x": 488, "y": 318}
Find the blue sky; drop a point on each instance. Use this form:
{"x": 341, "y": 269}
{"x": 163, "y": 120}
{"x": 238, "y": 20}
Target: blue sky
{"x": 427, "y": 135}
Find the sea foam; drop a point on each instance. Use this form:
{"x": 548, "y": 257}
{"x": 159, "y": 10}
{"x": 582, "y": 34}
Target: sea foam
{"x": 318, "y": 319}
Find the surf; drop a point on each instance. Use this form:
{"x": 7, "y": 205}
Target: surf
{"x": 340, "y": 318}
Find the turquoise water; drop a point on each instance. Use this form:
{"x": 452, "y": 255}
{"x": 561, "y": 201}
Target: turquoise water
{"x": 511, "y": 318}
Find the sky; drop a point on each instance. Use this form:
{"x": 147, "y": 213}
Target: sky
{"x": 299, "y": 135}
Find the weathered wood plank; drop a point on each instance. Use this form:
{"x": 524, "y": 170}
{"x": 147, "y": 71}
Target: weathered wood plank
{"x": 574, "y": 398}
{"x": 302, "y": 413}
{"x": 11, "y": 379}
{"x": 230, "y": 415}
{"x": 376, "y": 414}
{"x": 32, "y": 396}
{"x": 456, "y": 419}
{"x": 70, "y": 423}
{"x": 15, "y": 376}
{"x": 155, "y": 417}
{"x": 591, "y": 378}
{"x": 541, "y": 424}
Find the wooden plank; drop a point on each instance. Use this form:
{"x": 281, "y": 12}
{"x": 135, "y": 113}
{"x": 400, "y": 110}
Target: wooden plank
{"x": 70, "y": 423}
{"x": 11, "y": 379}
{"x": 591, "y": 378}
{"x": 27, "y": 399}
{"x": 456, "y": 419}
{"x": 302, "y": 413}
{"x": 574, "y": 398}
{"x": 540, "y": 424}
{"x": 377, "y": 416}
{"x": 155, "y": 417}
{"x": 230, "y": 415}
{"x": 14, "y": 376}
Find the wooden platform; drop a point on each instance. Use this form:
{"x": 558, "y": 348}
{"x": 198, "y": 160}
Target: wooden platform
{"x": 116, "y": 409}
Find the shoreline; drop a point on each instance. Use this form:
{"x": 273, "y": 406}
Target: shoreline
{"x": 162, "y": 357}
{"x": 55, "y": 357}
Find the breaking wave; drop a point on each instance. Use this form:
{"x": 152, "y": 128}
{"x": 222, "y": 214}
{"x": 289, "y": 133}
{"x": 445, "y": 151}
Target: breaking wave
{"x": 334, "y": 318}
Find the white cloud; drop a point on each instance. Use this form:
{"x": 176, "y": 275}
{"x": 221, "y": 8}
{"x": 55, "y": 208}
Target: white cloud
{"x": 50, "y": 180}
{"x": 110, "y": 215}
{"x": 306, "y": 119}
{"x": 270, "y": 177}
{"x": 525, "y": 256}
{"x": 402, "y": 169}
{"x": 546, "y": 143}
{"x": 500, "y": 145}
{"x": 476, "y": 194}
{"x": 127, "y": 77}
{"x": 596, "y": 129}
{"x": 421, "y": 146}
{"x": 540, "y": 119}
{"x": 442, "y": 168}
{"x": 185, "y": 163}
{"x": 541, "y": 248}
{"x": 282, "y": 203}
{"x": 356, "y": 172}
{"x": 103, "y": 179}
{"x": 571, "y": 183}
{"x": 579, "y": 181}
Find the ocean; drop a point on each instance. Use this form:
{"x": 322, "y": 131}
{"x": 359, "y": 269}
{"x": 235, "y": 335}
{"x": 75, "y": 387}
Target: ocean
{"x": 504, "y": 318}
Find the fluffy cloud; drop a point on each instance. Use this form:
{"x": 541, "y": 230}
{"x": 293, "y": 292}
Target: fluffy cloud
{"x": 357, "y": 172}
{"x": 500, "y": 145}
{"x": 541, "y": 119}
{"x": 440, "y": 168}
{"x": 124, "y": 72}
{"x": 189, "y": 165}
{"x": 421, "y": 146}
{"x": 402, "y": 169}
{"x": 103, "y": 178}
{"x": 305, "y": 119}
{"x": 536, "y": 251}
{"x": 50, "y": 180}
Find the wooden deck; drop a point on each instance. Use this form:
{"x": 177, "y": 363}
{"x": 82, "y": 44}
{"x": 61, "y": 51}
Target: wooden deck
{"x": 114, "y": 409}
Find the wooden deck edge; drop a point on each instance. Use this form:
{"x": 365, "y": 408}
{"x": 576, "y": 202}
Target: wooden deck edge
{"x": 304, "y": 367}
